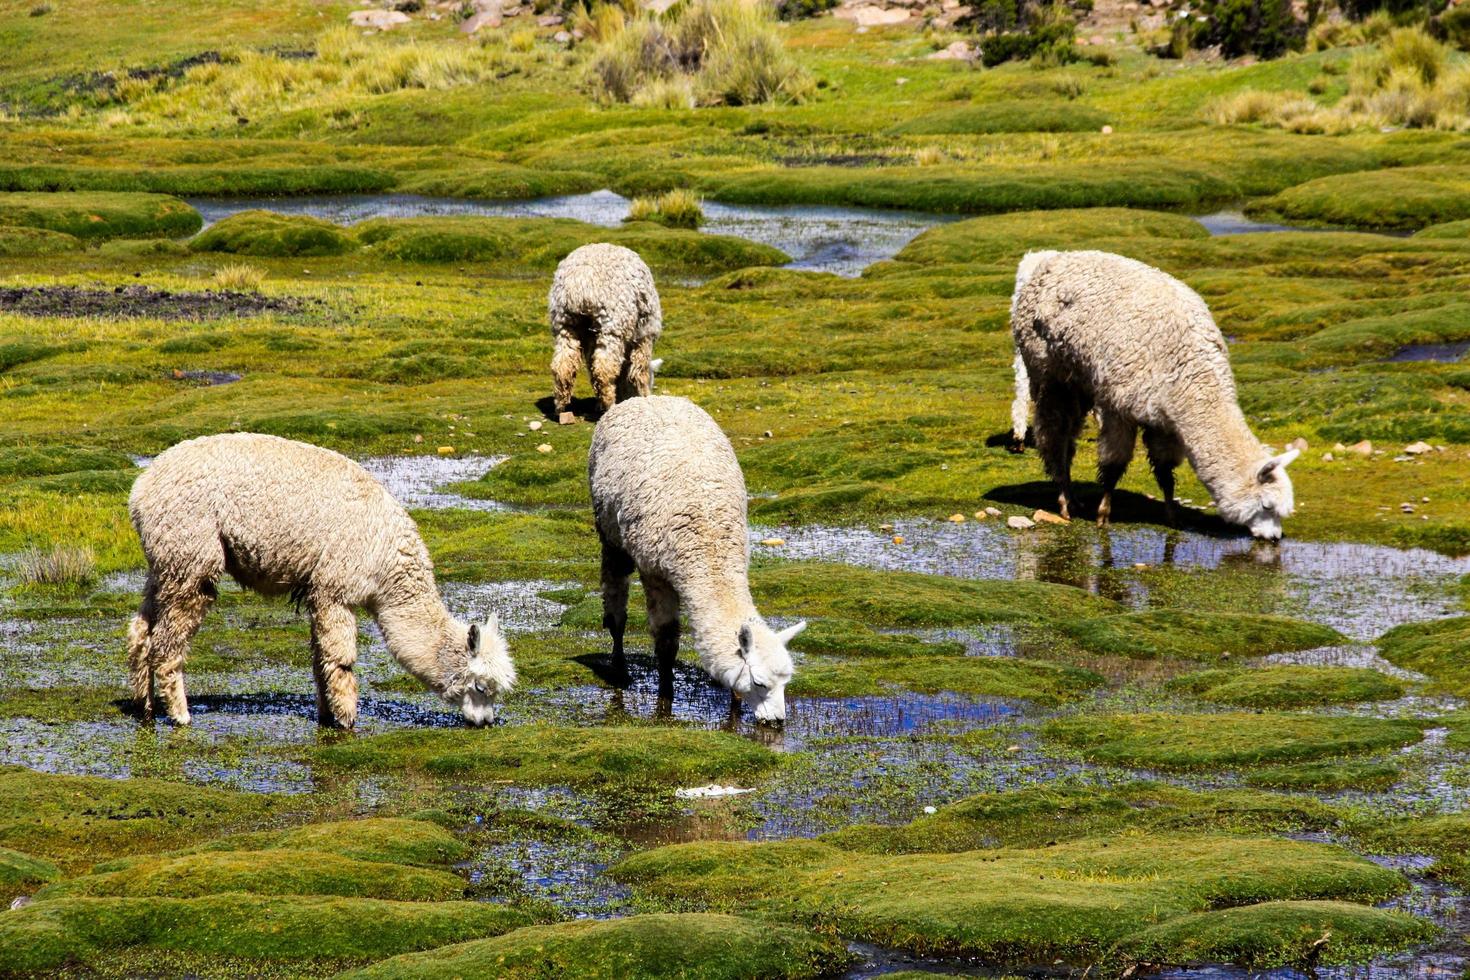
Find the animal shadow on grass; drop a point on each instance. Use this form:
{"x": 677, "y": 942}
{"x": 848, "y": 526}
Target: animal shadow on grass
{"x": 586, "y": 409}
{"x": 1128, "y": 507}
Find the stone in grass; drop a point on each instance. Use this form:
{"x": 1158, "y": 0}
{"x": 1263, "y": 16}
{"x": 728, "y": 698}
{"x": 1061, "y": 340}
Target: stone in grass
{"x": 691, "y": 946}
{"x": 1276, "y": 934}
{"x": 1191, "y": 741}
{"x": 1289, "y": 686}
{"x": 271, "y": 872}
{"x": 92, "y": 931}
{"x": 1205, "y": 636}
{"x": 1073, "y": 902}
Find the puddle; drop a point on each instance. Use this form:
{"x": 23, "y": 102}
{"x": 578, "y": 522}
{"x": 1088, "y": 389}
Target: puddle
{"x": 416, "y": 482}
{"x": 826, "y": 239}
{"x": 1233, "y": 222}
{"x": 1438, "y": 353}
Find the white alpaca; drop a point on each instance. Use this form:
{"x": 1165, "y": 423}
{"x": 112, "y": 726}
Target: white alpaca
{"x": 604, "y": 310}
{"x": 669, "y": 499}
{"x": 287, "y": 518}
{"x": 1095, "y": 329}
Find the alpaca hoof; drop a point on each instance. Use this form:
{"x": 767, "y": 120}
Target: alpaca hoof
{"x": 566, "y": 418}
{"x": 1102, "y": 520}
{"x": 1016, "y": 446}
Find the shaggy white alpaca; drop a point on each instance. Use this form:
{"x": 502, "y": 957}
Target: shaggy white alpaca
{"x": 287, "y": 518}
{"x": 669, "y": 499}
{"x": 1095, "y": 329}
{"x": 605, "y": 310}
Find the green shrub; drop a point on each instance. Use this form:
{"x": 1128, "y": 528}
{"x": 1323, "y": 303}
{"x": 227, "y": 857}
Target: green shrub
{"x": 97, "y": 214}
{"x": 1264, "y": 28}
{"x": 265, "y": 233}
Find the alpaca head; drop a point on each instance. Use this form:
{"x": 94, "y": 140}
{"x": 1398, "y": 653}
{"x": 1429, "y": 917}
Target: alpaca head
{"x": 764, "y": 668}
{"x": 487, "y": 673}
{"x": 1265, "y": 500}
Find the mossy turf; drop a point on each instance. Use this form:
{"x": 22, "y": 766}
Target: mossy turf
{"x": 19, "y": 241}
{"x": 1276, "y": 934}
{"x": 1402, "y": 198}
{"x": 1289, "y": 686}
{"x": 1327, "y": 777}
{"x": 1446, "y": 838}
{"x": 1074, "y": 902}
{"x": 1180, "y": 741}
{"x": 265, "y": 233}
{"x": 97, "y": 215}
{"x": 690, "y": 946}
{"x": 1211, "y": 637}
{"x": 1435, "y": 648}
{"x": 1042, "y": 815}
{"x": 20, "y": 871}
{"x": 847, "y": 638}
{"x": 84, "y": 931}
{"x": 1006, "y": 677}
{"x": 632, "y": 757}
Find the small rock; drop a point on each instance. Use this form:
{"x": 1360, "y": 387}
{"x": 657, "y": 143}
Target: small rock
{"x": 550, "y": 20}
{"x": 1047, "y": 517}
{"x": 898, "y": 539}
{"x": 485, "y": 18}
{"x": 545, "y": 447}
{"x": 993, "y": 511}
{"x": 1423, "y": 500}
{"x": 566, "y": 418}
{"x": 1416, "y": 448}
{"x": 1013, "y": 748}
{"x": 20, "y": 903}
{"x": 535, "y": 425}
{"x": 1299, "y": 444}
{"x": 1339, "y": 448}
{"x": 1364, "y": 448}
{"x": 886, "y": 528}
{"x": 980, "y": 515}
{"x": 958, "y": 51}
{"x": 418, "y": 438}
{"x": 1140, "y": 565}
{"x": 871, "y": 16}
{"x": 379, "y": 20}
{"x": 1020, "y": 523}
{"x": 957, "y": 518}
{"x": 1406, "y": 507}
{"x": 446, "y": 450}
{"x": 767, "y": 434}
{"x": 930, "y": 809}
{"x": 773, "y": 542}
{"x": 1328, "y": 457}
{"x": 1403, "y": 459}
{"x": 562, "y": 37}
{"x": 1107, "y": 130}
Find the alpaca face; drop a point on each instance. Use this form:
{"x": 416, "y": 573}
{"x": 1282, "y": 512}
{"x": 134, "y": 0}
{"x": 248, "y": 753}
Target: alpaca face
{"x": 1269, "y": 500}
{"x": 488, "y": 672}
{"x": 765, "y": 669}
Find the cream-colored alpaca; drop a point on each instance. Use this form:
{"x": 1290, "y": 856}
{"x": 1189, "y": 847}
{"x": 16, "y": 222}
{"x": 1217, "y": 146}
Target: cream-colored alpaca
{"x": 605, "y": 310}
{"x": 287, "y": 518}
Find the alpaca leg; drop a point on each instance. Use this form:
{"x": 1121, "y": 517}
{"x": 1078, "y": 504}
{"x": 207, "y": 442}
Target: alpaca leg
{"x": 564, "y": 373}
{"x": 637, "y": 377}
{"x": 140, "y": 660}
{"x": 617, "y": 566}
{"x": 607, "y": 367}
{"x": 1115, "y": 442}
{"x": 1060, "y": 412}
{"x": 1165, "y": 453}
{"x": 334, "y": 652}
{"x": 179, "y": 613}
{"x": 663, "y": 623}
{"x": 1020, "y": 407}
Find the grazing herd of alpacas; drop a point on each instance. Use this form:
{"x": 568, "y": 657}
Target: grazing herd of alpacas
{"x": 1093, "y": 332}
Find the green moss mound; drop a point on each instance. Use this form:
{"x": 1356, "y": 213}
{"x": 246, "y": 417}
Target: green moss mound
{"x": 1174, "y": 741}
{"x": 1401, "y": 198}
{"x": 1327, "y": 777}
{"x": 550, "y": 755}
{"x": 265, "y": 233}
{"x": 1289, "y": 686}
{"x": 100, "y": 214}
{"x": 659, "y": 947}
{"x": 1003, "y": 677}
{"x": 72, "y": 818}
{"x": 540, "y": 243}
{"x": 1006, "y": 117}
{"x": 1435, "y": 648}
{"x": 1040, "y": 815}
{"x": 846, "y": 638}
{"x": 1206, "y": 636}
{"x": 50, "y": 460}
{"x": 48, "y": 934}
{"x": 1072, "y": 902}
{"x": 1454, "y": 230}
{"x": 1277, "y": 934}
{"x": 17, "y": 242}
{"x": 273, "y": 872}
{"x": 1004, "y": 238}
{"x": 22, "y": 869}
{"x": 1446, "y": 837}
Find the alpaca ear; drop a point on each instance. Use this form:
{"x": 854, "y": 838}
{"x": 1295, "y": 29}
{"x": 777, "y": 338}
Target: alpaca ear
{"x": 1269, "y": 468}
{"x": 744, "y": 641}
{"x": 789, "y": 634}
{"x": 473, "y": 643}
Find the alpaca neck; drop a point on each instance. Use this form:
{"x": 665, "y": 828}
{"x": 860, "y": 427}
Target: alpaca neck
{"x": 716, "y": 623}
{"x": 1223, "y": 450}
{"x": 419, "y": 632}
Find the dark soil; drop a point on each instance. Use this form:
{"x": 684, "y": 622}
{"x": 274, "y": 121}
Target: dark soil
{"x": 142, "y": 301}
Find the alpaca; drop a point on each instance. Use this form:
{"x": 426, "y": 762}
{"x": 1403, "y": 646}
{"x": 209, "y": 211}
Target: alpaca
{"x": 287, "y": 518}
{"x": 669, "y": 500}
{"x": 1095, "y": 329}
{"x": 605, "y": 310}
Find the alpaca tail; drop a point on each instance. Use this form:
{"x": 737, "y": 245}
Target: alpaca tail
{"x": 140, "y": 664}
{"x": 1020, "y": 407}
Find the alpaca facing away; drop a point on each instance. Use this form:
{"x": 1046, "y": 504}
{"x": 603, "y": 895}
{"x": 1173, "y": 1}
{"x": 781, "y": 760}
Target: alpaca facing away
{"x": 287, "y": 518}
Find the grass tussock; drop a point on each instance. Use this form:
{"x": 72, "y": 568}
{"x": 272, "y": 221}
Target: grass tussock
{"x": 706, "y": 52}
{"x": 239, "y": 276}
{"x": 62, "y": 564}
{"x": 675, "y": 209}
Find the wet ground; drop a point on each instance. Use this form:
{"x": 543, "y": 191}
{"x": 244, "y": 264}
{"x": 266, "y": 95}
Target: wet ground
{"x": 855, "y": 759}
{"x": 1439, "y": 353}
{"x": 142, "y": 301}
{"x": 842, "y": 240}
